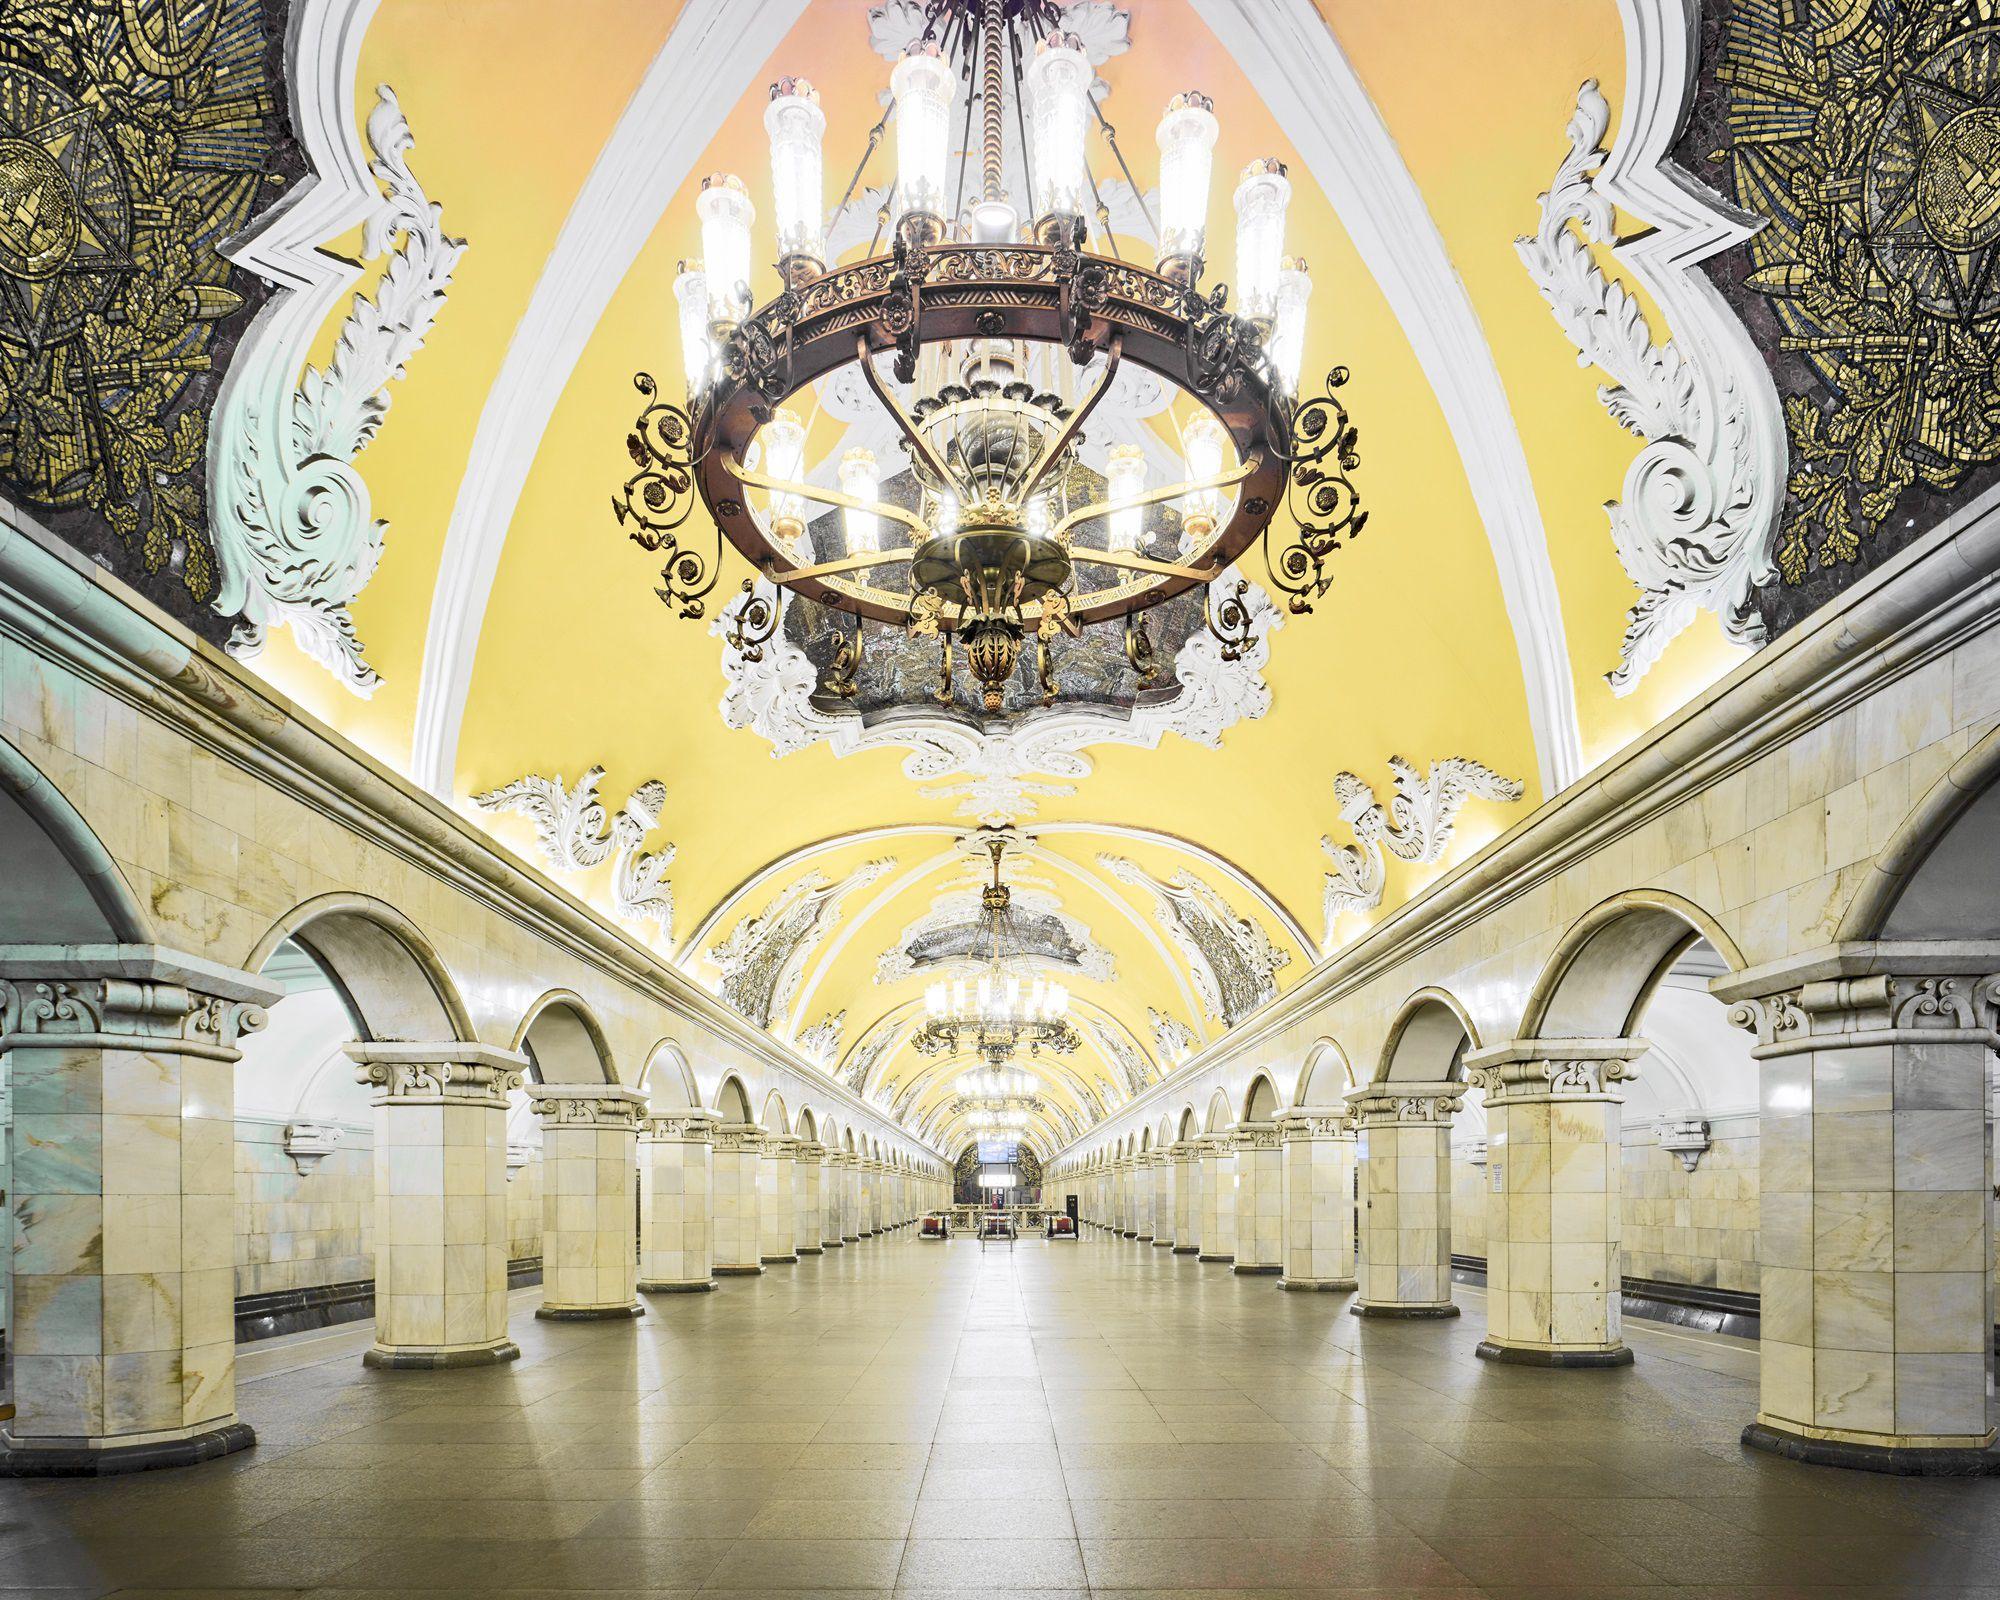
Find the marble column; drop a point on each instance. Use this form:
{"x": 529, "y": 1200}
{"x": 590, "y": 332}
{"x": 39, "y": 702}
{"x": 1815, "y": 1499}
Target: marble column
{"x": 1187, "y": 1197}
{"x": 850, "y": 1198}
{"x": 1164, "y": 1182}
{"x": 1403, "y": 1146}
{"x": 1875, "y": 1201}
{"x": 1319, "y": 1198}
{"x": 806, "y": 1159}
{"x": 1260, "y": 1199}
{"x": 736, "y": 1205}
{"x": 1128, "y": 1196}
{"x": 675, "y": 1205}
{"x": 590, "y": 1188}
{"x": 777, "y": 1209}
{"x": 1218, "y": 1198}
{"x": 1142, "y": 1197}
{"x": 122, "y": 1233}
{"x": 440, "y": 1202}
{"x": 1554, "y": 1291}
{"x": 832, "y": 1192}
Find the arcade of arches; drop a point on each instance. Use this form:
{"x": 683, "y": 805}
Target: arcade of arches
{"x": 488, "y": 1101}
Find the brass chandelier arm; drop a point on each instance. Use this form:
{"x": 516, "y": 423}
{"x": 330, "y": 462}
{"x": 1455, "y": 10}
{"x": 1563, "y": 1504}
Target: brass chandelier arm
{"x": 919, "y": 445}
{"x": 1052, "y": 451}
{"x": 1139, "y": 563}
{"x": 854, "y": 563}
{"x": 1153, "y": 497}
{"x": 831, "y": 497}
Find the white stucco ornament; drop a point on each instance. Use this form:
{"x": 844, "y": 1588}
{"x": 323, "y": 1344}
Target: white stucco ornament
{"x": 573, "y": 835}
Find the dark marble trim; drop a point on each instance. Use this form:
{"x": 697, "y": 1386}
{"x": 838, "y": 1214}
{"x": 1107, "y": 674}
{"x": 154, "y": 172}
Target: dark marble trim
{"x": 491, "y": 1355}
{"x": 115, "y": 1460}
{"x": 1509, "y": 1355}
{"x": 1403, "y": 1313}
{"x": 698, "y": 1286}
{"x": 1912, "y": 1463}
{"x": 589, "y": 1313}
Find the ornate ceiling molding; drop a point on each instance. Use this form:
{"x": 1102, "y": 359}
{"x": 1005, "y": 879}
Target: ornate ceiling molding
{"x": 1072, "y": 950}
{"x": 573, "y": 835}
{"x": 1287, "y": 49}
{"x": 1232, "y": 959}
{"x": 707, "y": 65}
{"x": 764, "y": 957}
{"x": 820, "y": 1044}
{"x": 1696, "y": 529}
{"x": 1173, "y": 1040}
{"x": 1416, "y": 826}
{"x": 996, "y": 777}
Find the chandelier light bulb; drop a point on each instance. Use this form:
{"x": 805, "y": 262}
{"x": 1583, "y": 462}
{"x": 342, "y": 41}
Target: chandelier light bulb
{"x": 1201, "y": 456}
{"x": 1187, "y": 135}
{"x": 797, "y": 128}
{"x": 784, "y": 438}
{"x": 1124, "y": 477}
{"x": 1262, "y": 195}
{"x": 726, "y": 215}
{"x": 921, "y": 85}
{"x": 697, "y": 352}
{"x": 1059, "y": 80}
{"x": 860, "y": 480}
{"x": 1288, "y": 335}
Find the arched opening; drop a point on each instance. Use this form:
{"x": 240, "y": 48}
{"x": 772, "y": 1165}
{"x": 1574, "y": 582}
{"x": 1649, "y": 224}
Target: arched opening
{"x": 1428, "y": 1041}
{"x": 564, "y": 1042}
{"x": 668, "y": 1080}
{"x": 774, "y": 1119}
{"x": 1938, "y": 877}
{"x": 732, "y": 1102}
{"x": 1260, "y": 1102}
{"x": 1326, "y": 1077}
{"x": 808, "y": 1125}
{"x": 1218, "y": 1113}
{"x": 394, "y": 982}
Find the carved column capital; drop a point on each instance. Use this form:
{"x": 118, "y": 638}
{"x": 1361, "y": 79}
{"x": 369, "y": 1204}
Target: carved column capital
{"x": 1554, "y": 1069}
{"x": 1387, "y": 1104}
{"x": 415, "y": 1074}
{"x": 587, "y": 1105}
{"x": 809, "y": 1150}
{"x": 1315, "y": 1122}
{"x": 1832, "y": 1013}
{"x": 739, "y": 1137}
{"x": 1254, "y": 1136}
{"x": 131, "y": 998}
{"x": 1186, "y": 1150}
{"x": 683, "y": 1127}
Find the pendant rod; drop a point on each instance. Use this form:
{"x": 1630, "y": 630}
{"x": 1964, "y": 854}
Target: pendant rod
{"x": 991, "y": 30}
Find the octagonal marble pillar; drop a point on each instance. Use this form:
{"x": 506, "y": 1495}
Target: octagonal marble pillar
{"x": 1186, "y": 1157}
{"x": 1319, "y": 1198}
{"x": 1403, "y": 1147}
{"x": 675, "y": 1203}
{"x": 806, "y": 1159}
{"x": 590, "y": 1187}
{"x": 1218, "y": 1198}
{"x": 121, "y": 1232}
{"x": 1163, "y": 1199}
{"x": 1553, "y": 1182}
{"x": 737, "y": 1207}
{"x": 833, "y": 1201}
{"x": 777, "y": 1209}
{"x": 1260, "y": 1199}
{"x": 1142, "y": 1198}
{"x": 850, "y": 1198}
{"x": 1876, "y": 1208}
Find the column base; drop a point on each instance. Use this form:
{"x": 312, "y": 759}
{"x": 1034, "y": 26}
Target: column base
{"x": 422, "y": 1358}
{"x": 811, "y": 1250}
{"x": 752, "y": 1271}
{"x": 1247, "y": 1269}
{"x": 1163, "y": 1244}
{"x": 1514, "y": 1355}
{"x": 779, "y": 1261}
{"x": 589, "y": 1313}
{"x": 1917, "y": 1461}
{"x": 77, "y": 1461}
{"x": 1187, "y": 1249}
{"x": 1204, "y": 1256}
{"x": 1403, "y": 1313}
{"x": 850, "y": 1238}
{"x": 677, "y": 1286}
{"x": 1143, "y": 1238}
{"x": 1317, "y": 1285}
{"x": 834, "y": 1244}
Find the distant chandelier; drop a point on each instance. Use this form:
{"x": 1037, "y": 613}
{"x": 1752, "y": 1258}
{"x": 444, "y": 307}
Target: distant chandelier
{"x": 1004, "y": 339}
{"x": 996, "y": 1013}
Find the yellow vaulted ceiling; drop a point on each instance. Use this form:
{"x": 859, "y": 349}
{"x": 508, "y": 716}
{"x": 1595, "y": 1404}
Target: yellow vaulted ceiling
{"x": 577, "y": 664}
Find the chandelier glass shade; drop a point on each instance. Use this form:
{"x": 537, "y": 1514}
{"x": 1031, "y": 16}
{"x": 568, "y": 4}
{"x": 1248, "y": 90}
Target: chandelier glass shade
{"x": 989, "y": 339}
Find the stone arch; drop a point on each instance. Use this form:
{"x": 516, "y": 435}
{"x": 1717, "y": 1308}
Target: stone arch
{"x": 1429, "y": 1039}
{"x": 1218, "y": 1113}
{"x": 1190, "y": 1125}
{"x": 778, "y": 1123}
{"x": 1605, "y": 968}
{"x": 1260, "y": 1100}
{"x": 1326, "y": 1073}
{"x": 63, "y": 886}
{"x": 732, "y": 1101}
{"x": 808, "y": 1125}
{"x": 1932, "y": 879}
{"x": 564, "y": 1041}
{"x": 847, "y": 1140}
{"x": 392, "y": 979}
{"x": 1145, "y": 1139}
{"x": 668, "y": 1079}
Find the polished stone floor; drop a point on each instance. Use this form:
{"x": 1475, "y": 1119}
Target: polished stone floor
{"x": 903, "y": 1417}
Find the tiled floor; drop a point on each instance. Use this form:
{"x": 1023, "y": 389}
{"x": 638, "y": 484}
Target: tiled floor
{"x": 915, "y": 1418}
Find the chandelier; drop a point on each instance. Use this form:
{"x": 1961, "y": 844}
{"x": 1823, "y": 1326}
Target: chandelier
{"x": 996, "y": 1013}
{"x": 1003, "y": 334}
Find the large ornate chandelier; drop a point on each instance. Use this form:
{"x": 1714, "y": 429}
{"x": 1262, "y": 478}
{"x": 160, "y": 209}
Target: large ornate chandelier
{"x": 1003, "y": 333}
{"x": 996, "y": 1013}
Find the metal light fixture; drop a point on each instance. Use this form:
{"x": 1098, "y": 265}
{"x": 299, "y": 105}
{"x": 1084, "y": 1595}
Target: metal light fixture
{"x": 1000, "y": 341}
